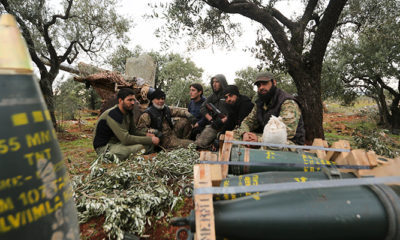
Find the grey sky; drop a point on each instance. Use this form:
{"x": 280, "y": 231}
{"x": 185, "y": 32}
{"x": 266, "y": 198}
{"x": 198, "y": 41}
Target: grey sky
{"x": 213, "y": 61}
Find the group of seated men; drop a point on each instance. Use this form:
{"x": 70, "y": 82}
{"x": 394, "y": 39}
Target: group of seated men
{"x": 117, "y": 132}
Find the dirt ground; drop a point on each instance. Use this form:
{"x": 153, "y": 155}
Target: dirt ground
{"x": 78, "y": 158}
{"x": 80, "y": 155}
{"x": 161, "y": 230}
{"x": 337, "y": 122}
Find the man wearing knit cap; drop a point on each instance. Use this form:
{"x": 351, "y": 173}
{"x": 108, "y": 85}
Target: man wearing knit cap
{"x": 272, "y": 101}
{"x": 237, "y": 107}
{"x": 158, "y": 116}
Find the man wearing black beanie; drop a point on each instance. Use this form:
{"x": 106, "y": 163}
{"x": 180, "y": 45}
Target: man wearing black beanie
{"x": 237, "y": 107}
{"x": 157, "y": 118}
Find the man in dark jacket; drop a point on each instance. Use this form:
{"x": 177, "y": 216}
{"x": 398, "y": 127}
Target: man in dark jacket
{"x": 218, "y": 84}
{"x": 158, "y": 116}
{"x": 237, "y": 107}
{"x": 196, "y": 100}
{"x": 272, "y": 101}
{"x": 115, "y": 130}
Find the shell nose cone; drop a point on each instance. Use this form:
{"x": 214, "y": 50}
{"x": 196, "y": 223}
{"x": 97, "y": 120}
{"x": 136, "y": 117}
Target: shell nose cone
{"x": 8, "y": 20}
{"x": 14, "y": 54}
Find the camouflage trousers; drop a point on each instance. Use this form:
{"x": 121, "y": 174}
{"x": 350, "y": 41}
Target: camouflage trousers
{"x": 123, "y": 151}
{"x": 206, "y": 137}
{"x": 183, "y": 128}
{"x": 174, "y": 142}
{"x": 180, "y": 135}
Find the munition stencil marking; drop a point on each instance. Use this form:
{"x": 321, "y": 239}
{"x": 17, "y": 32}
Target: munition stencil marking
{"x": 47, "y": 115}
{"x": 19, "y": 119}
{"x": 37, "y": 116}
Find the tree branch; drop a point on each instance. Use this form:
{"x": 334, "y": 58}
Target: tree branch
{"x": 263, "y": 16}
{"x": 284, "y": 20}
{"x": 67, "y": 52}
{"x": 358, "y": 24}
{"x": 46, "y": 26}
{"x": 298, "y": 31}
{"x": 398, "y": 85}
{"x": 308, "y": 13}
{"x": 325, "y": 30}
{"x": 74, "y": 56}
{"x": 65, "y": 16}
{"x": 383, "y": 85}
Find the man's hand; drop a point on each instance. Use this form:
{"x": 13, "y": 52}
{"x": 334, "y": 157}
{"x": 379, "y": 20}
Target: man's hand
{"x": 154, "y": 132}
{"x": 250, "y": 137}
{"x": 224, "y": 119}
{"x": 150, "y": 134}
{"x": 155, "y": 140}
{"x": 208, "y": 116}
{"x": 196, "y": 125}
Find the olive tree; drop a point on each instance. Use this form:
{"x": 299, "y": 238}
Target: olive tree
{"x": 369, "y": 61}
{"x": 301, "y": 40}
{"x": 174, "y": 73}
{"x": 58, "y": 33}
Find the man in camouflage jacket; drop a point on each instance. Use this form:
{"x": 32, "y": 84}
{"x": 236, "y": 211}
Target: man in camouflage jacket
{"x": 158, "y": 118}
{"x": 272, "y": 101}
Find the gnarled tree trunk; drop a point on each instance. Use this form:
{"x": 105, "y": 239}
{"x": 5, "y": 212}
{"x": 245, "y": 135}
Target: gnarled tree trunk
{"x": 395, "y": 117}
{"x": 48, "y": 94}
{"x": 309, "y": 90}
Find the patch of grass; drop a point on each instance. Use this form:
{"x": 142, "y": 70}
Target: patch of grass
{"x": 395, "y": 137}
{"x": 78, "y": 143}
{"x": 363, "y": 104}
{"x": 335, "y": 107}
{"x": 360, "y": 104}
{"x": 334, "y": 136}
{"x": 361, "y": 124}
{"x": 78, "y": 153}
{"x": 396, "y": 143}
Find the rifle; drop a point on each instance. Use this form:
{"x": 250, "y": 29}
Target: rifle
{"x": 215, "y": 110}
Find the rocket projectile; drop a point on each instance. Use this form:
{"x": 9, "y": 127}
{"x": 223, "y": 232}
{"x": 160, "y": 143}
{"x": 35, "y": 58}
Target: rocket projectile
{"x": 36, "y": 196}
{"x": 14, "y": 54}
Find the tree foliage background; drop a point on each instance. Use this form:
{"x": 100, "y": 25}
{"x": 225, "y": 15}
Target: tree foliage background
{"x": 366, "y": 57}
{"x": 244, "y": 81}
{"x": 58, "y": 32}
{"x": 174, "y": 73}
{"x": 362, "y": 56}
{"x": 71, "y": 96}
{"x": 302, "y": 39}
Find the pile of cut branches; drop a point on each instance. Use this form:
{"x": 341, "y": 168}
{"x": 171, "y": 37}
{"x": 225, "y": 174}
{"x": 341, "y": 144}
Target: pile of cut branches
{"x": 379, "y": 141}
{"x": 128, "y": 194}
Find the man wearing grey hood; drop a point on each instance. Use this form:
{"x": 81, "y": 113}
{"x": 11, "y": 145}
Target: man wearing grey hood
{"x": 218, "y": 84}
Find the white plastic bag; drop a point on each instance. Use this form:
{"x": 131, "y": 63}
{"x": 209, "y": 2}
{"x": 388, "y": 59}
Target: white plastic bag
{"x": 275, "y": 131}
